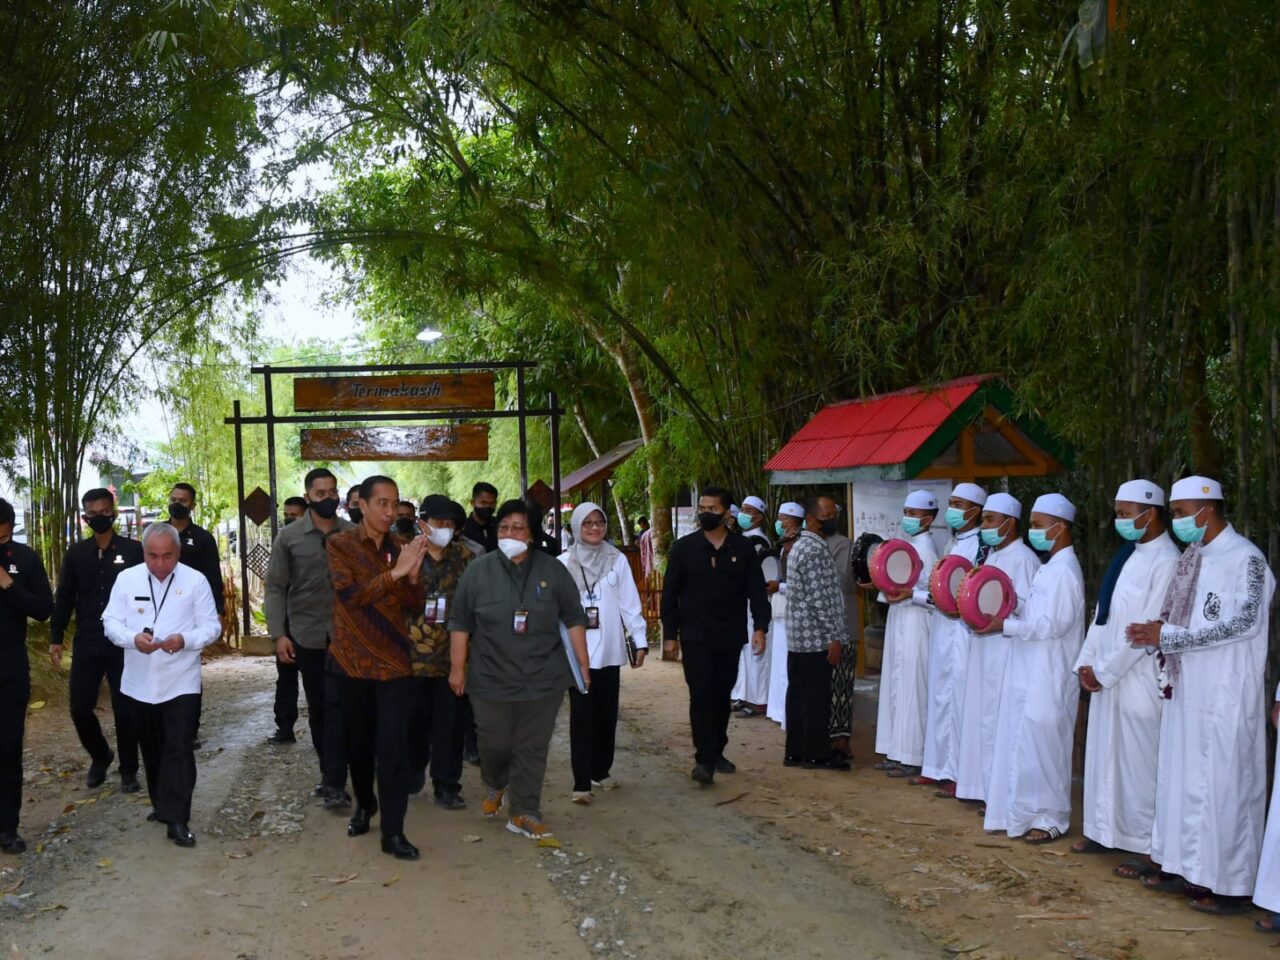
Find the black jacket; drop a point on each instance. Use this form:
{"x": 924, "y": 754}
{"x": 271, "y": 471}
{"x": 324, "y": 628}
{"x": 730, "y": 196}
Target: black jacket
{"x": 28, "y": 597}
{"x": 84, "y": 587}
{"x": 706, "y": 592}
{"x": 200, "y": 551}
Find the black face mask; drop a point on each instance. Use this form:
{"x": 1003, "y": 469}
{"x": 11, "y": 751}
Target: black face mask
{"x": 405, "y": 526}
{"x": 101, "y": 524}
{"x": 828, "y": 527}
{"x": 355, "y": 513}
{"x": 325, "y": 509}
{"x": 179, "y": 511}
{"x": 709, "y": 521}
{"x": 484, "y": 513}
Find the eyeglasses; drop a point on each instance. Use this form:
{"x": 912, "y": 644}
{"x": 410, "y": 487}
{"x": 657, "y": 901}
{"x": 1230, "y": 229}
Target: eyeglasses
{"x": 512, "y": 527}
{"x": 593, "y": 523}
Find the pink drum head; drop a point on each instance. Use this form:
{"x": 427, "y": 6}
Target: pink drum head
{"x": 986, "y": 593}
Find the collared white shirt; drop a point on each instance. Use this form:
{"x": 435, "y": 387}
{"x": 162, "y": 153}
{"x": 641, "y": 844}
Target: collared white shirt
{"x": 181, "y": 604}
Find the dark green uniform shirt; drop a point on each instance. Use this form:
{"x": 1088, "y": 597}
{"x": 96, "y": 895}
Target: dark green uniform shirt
{"x": 502, "y": 664}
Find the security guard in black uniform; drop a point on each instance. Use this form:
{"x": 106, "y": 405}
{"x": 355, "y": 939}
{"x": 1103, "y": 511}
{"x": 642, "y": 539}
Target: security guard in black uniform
{"x": 24, "y": 594}
{"x": 89, "y": 571}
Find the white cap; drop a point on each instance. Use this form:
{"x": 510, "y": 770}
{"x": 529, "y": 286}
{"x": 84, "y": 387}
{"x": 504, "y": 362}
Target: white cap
{"x": 971, "y": 492}
{"x": 1196, "y": 488}
{"x": 1004, "y": 504}
{"x": 791, "y": 509}
{"x": 755, "y": 502}
{"x": 1055, "y": 505}
{"x": 1141, "y": 491}
{"x": 733, "y": 509}
{"x": 920, "y": 500}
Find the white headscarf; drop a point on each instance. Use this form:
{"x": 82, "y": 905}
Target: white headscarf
{"x": 586, "y": 561}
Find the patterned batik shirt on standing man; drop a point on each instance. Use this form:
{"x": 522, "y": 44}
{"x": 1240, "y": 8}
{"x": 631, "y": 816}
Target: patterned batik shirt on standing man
{"x": 428, "y": 630}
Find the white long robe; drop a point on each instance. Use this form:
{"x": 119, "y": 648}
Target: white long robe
{"x": 1266, "y": 892}
{"x": 1212, "y": 779}
{"x": 752, "y": 685}
{"x": 1030, "y": 785}
{"x": 904, "y": 670}
{"x": 948, "y": 661}
{"x": 1124, "y": 717}
{"x": 777, "y": 709}
{"x": 984, "y": 678}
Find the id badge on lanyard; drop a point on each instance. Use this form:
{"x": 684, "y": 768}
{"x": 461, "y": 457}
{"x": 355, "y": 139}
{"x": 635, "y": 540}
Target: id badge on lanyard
{"x": 520, "y": 623}
{"x": 437, "y": 609}
{"x": 592, "y": 612}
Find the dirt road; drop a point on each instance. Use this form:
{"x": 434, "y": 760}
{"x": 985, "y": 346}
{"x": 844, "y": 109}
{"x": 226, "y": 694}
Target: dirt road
{"x": 770, "y": 863}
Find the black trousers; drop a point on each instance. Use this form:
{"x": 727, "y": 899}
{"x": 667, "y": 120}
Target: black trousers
{"x": 593, "y": 727}
{"x": 710, "y": 673}
{"x": 333, "y": 758}
{"x": 808, "y": 706}
{"x": 90, "y": 663}
{"x": 286, "y": 704}
{"x": 15, "y": 692}
{"x": 435, "y": 732}
{"x": 309, "y": 666}
{"x": 375, "y": 715}
{"x": 470, "y": 738}
{"x": 167, "y": 734}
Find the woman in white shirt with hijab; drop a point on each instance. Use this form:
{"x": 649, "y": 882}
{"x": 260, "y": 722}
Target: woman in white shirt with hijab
{"x": 612, "y": 603}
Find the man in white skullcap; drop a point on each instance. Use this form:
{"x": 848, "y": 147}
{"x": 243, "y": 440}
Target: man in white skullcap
{"x": 1029, "y": 791}
{"x": 949, "y": 640}
{"x": 1211, "y": 778}
{"x": 751, "y": 692}
{"x": 904, "y": 671}
{"x": 787, "y": 526}
{"x": 1001, "y": 533}
{"x": 1124, "y": 699}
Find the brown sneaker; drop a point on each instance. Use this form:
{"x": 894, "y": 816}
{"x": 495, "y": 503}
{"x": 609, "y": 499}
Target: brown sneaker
{"x": 491, "y": 803}
{"x": 529, "y": 826}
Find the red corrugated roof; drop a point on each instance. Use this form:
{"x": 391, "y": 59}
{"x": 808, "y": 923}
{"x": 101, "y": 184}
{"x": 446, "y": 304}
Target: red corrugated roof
{"x": 875, "y": 431}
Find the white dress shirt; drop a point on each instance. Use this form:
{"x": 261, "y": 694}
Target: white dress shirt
{"x": 181, "y": 604}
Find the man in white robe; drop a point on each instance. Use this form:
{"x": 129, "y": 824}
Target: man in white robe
{"x": 751, "y": 692}
{"x": 1124, "y": 699}
{"x": 787, "y": 526}
{"x": 1001, "y": 533}
{"x": 904, "y": 670}
{"x": 1266, "y": 892}
{"x": 1029, "y": 791}
{"x": 949, "y": 651}
{"x": 1211, "y": 781}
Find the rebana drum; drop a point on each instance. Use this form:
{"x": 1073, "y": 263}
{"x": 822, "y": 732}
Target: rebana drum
{"x": 945, "y": 581}
{"x": 860, "y": 558}
{"x": 895, "y": 566}
{"x": 986, "y": 594}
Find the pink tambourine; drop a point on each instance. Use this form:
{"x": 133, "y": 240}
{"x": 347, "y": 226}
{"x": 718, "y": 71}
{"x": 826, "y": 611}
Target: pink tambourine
{"x": 945, "y": 581}
{"x": 894, "y": 566}
{"x": 985, "y": 594}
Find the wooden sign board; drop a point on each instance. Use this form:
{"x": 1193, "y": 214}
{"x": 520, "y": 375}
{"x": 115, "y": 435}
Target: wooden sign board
{"x": 467, "y": 441}
{"x": 450, "y": 391}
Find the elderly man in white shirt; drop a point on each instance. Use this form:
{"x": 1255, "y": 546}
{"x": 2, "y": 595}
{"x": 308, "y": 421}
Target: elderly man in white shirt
{"x": 162, "y": 613}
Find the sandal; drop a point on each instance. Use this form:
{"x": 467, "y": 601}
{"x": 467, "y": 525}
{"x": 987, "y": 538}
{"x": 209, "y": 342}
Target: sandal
{"x": 1218, "y": 906}
{"x": 887, "y": 764}
{"x": 922, "y": 781}
{"x": 901, "y": 773}
{"x": 946, "y": 793}
{"x": 1162, "y": 882}
{"x": 1085, "y": 845}
{"x": 1270, "y": 925}
{"x": 1134, "y": 868}
{"x": 1045, "y": 836}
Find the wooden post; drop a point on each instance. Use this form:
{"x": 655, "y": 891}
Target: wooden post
{"x": 860, "y": 668}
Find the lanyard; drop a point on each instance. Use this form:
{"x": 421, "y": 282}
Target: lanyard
{"x": 527, "y": 575}
{"x": 151, "y": 590}
{"x": 591, "y": 590}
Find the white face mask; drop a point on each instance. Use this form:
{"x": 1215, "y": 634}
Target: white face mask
{"x": 512, "y": 548}
{"x": 440, "y": 536}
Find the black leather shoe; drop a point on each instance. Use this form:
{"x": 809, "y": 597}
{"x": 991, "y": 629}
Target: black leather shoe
{"x": 417, "y": 780}
{"x": 724, "y": 766}
{"x": 335, "y": 798}
{"x": 129, "y": 783}
{"x": 281, "y": 737}
{"x": 790, "y": 761}
{"x": 12, "y": 843}
{"x": 152, "y": 818}
{"x": 831, "y": 763}
{"x": 197, "y": 744}
{"x": 399, "y": 847}
{"x": 450, "y": 801}
{"x": 181, "y": 835}
{"x": 703, "y": 774}
{"x": 98, "y": 771}
{"x": 358, "y": 826}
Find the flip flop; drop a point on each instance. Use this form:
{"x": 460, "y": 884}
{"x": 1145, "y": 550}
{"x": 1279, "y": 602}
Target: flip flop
{"x": 1050, "y": 835}
{"x": 946, "y": 793}
{"x": 887, "y": 764}
{"x": 922, "y": 781}
{"x": 1140, "y": 868}
{"x": 1216, "y": 907}
{"x": 901, "y": 773}
{"x": 1272, "y": 924}
{"x": 1164, "y": 882}
{"x": 1090, "y": 846}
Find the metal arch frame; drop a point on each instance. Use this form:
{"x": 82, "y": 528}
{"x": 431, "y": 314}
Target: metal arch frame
{"x": 270, "y": 420}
